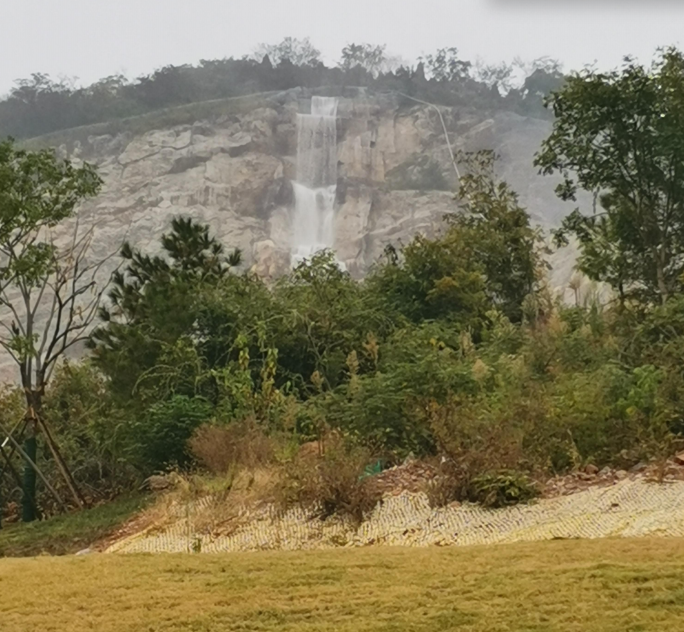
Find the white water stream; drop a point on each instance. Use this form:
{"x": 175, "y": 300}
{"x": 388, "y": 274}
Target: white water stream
{"x": 316, "y": 184}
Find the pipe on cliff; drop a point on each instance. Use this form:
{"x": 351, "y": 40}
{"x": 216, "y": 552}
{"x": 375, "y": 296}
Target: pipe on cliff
{"x": 446, "y": 134}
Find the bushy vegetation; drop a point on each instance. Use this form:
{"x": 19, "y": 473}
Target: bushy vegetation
{"x": 452, "y": 348}
{"x": 39, "y": 105}
{"x": 333, "y": 485}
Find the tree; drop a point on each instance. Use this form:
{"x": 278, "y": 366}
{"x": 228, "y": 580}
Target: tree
{"x": 620, "y": 136}
{"x": 540, "y": 83}
{"x": 495, "y": 76}
{"x": 299, "y": 52}
{"x": 153, "y": 303}
{"x": 166, "y": 86}
{"x": 432, "y": 279}
{"x": 487, "y": 257}
{"x": 542, "y": 76}
{"x": 325, "y": 315}
{"x": 48, "y": 289}
{"x": 39, "y": 104}
{"x": 445, "y": 65}
{"x": 499, "y": 233}
{"x": 369, "y": 57}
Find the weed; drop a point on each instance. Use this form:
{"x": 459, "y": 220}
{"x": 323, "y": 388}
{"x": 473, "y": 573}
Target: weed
{"x": 241, "y": 444}
{"x": 499, "y": 489}
{"x": 448, "y": 486}
{"x": 334, "y": 485}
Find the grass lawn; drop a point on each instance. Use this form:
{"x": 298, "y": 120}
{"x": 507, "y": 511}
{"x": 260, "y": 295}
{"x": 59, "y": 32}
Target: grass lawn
{"x": 602, "y": 585}
{"x": 68, "y": 533}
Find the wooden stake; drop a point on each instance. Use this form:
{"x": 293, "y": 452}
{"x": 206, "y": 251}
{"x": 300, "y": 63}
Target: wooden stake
{"x": 38, "y": 471}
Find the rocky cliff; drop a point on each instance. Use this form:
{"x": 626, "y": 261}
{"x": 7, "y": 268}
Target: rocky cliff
{"x": 233, "y": 171}
{"x": 230, "y": 163}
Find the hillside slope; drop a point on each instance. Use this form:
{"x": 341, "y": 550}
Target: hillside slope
{"x": 229, "y": 163}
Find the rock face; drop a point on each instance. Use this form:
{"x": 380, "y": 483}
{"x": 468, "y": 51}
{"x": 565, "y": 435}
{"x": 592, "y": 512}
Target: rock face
{"x": 233, "y": 172}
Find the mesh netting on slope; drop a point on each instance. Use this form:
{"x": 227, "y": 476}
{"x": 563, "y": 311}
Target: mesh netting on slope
{"x": 628, "y": 508}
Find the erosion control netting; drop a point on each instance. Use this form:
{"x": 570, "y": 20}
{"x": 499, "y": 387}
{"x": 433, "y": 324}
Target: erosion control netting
{"x": 627, "y": 508}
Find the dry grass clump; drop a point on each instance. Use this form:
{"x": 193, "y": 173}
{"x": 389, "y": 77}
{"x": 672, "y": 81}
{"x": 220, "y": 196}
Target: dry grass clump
{"x": 228, "y": 505}
{"x": 334, "y": 484}
{"x": 485, "y": 454}
{"x": 239, "y": 445}
{"x": 213, "y": 504}
{"x": 447, "y": 486}
{"x": 468, "y": 435}
{"x": 246, "y": 469}
{"x": 324, "y": 476}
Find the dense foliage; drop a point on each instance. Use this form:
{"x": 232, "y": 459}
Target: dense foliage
{"x": 620, "y": 136}
{"x": 452, "y": 347}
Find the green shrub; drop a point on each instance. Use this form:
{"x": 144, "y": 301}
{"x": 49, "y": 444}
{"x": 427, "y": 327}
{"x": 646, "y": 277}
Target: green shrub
{"x": 500, "y": 489}
{"x": 164, "y": 430}
{"x": 385, "y": 409}
{"x": 90, "y": 429}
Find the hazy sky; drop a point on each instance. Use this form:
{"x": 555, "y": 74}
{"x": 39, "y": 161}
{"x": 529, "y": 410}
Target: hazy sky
{"x": 91, "y": 39}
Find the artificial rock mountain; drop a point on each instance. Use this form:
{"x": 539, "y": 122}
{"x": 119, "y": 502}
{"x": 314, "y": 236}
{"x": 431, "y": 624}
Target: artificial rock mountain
{"x": 230, "y": 164}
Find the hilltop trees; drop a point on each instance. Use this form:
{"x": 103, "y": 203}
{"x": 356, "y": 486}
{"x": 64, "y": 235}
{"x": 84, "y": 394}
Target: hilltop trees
{"x": 39, "y": 105}
{"x": 372, "y": 58}
{"x": 298, "y": 52}
{"x": 445, "y": 65}
{"x": 496, "y": 76}
{"x": 620, "y": 136}
{"x": 542, "y": 77}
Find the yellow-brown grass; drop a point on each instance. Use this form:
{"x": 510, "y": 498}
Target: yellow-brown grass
{"x": 603, "y": 585}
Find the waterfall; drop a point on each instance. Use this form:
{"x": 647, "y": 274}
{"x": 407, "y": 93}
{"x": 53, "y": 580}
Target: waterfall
{"x": 316, "y": 184}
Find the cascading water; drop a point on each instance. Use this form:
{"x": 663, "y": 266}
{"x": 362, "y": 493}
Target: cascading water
{"x": 316, "y": 184}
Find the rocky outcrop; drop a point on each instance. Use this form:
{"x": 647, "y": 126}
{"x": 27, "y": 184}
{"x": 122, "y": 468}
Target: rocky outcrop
{"x": 232, "y": 170}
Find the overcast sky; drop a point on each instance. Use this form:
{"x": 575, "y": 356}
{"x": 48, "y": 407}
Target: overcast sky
{"x": 91, "y": 39}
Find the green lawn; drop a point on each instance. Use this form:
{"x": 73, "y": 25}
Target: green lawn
{"x": 602, "y": 585}
{"x": 68, "y": 533}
